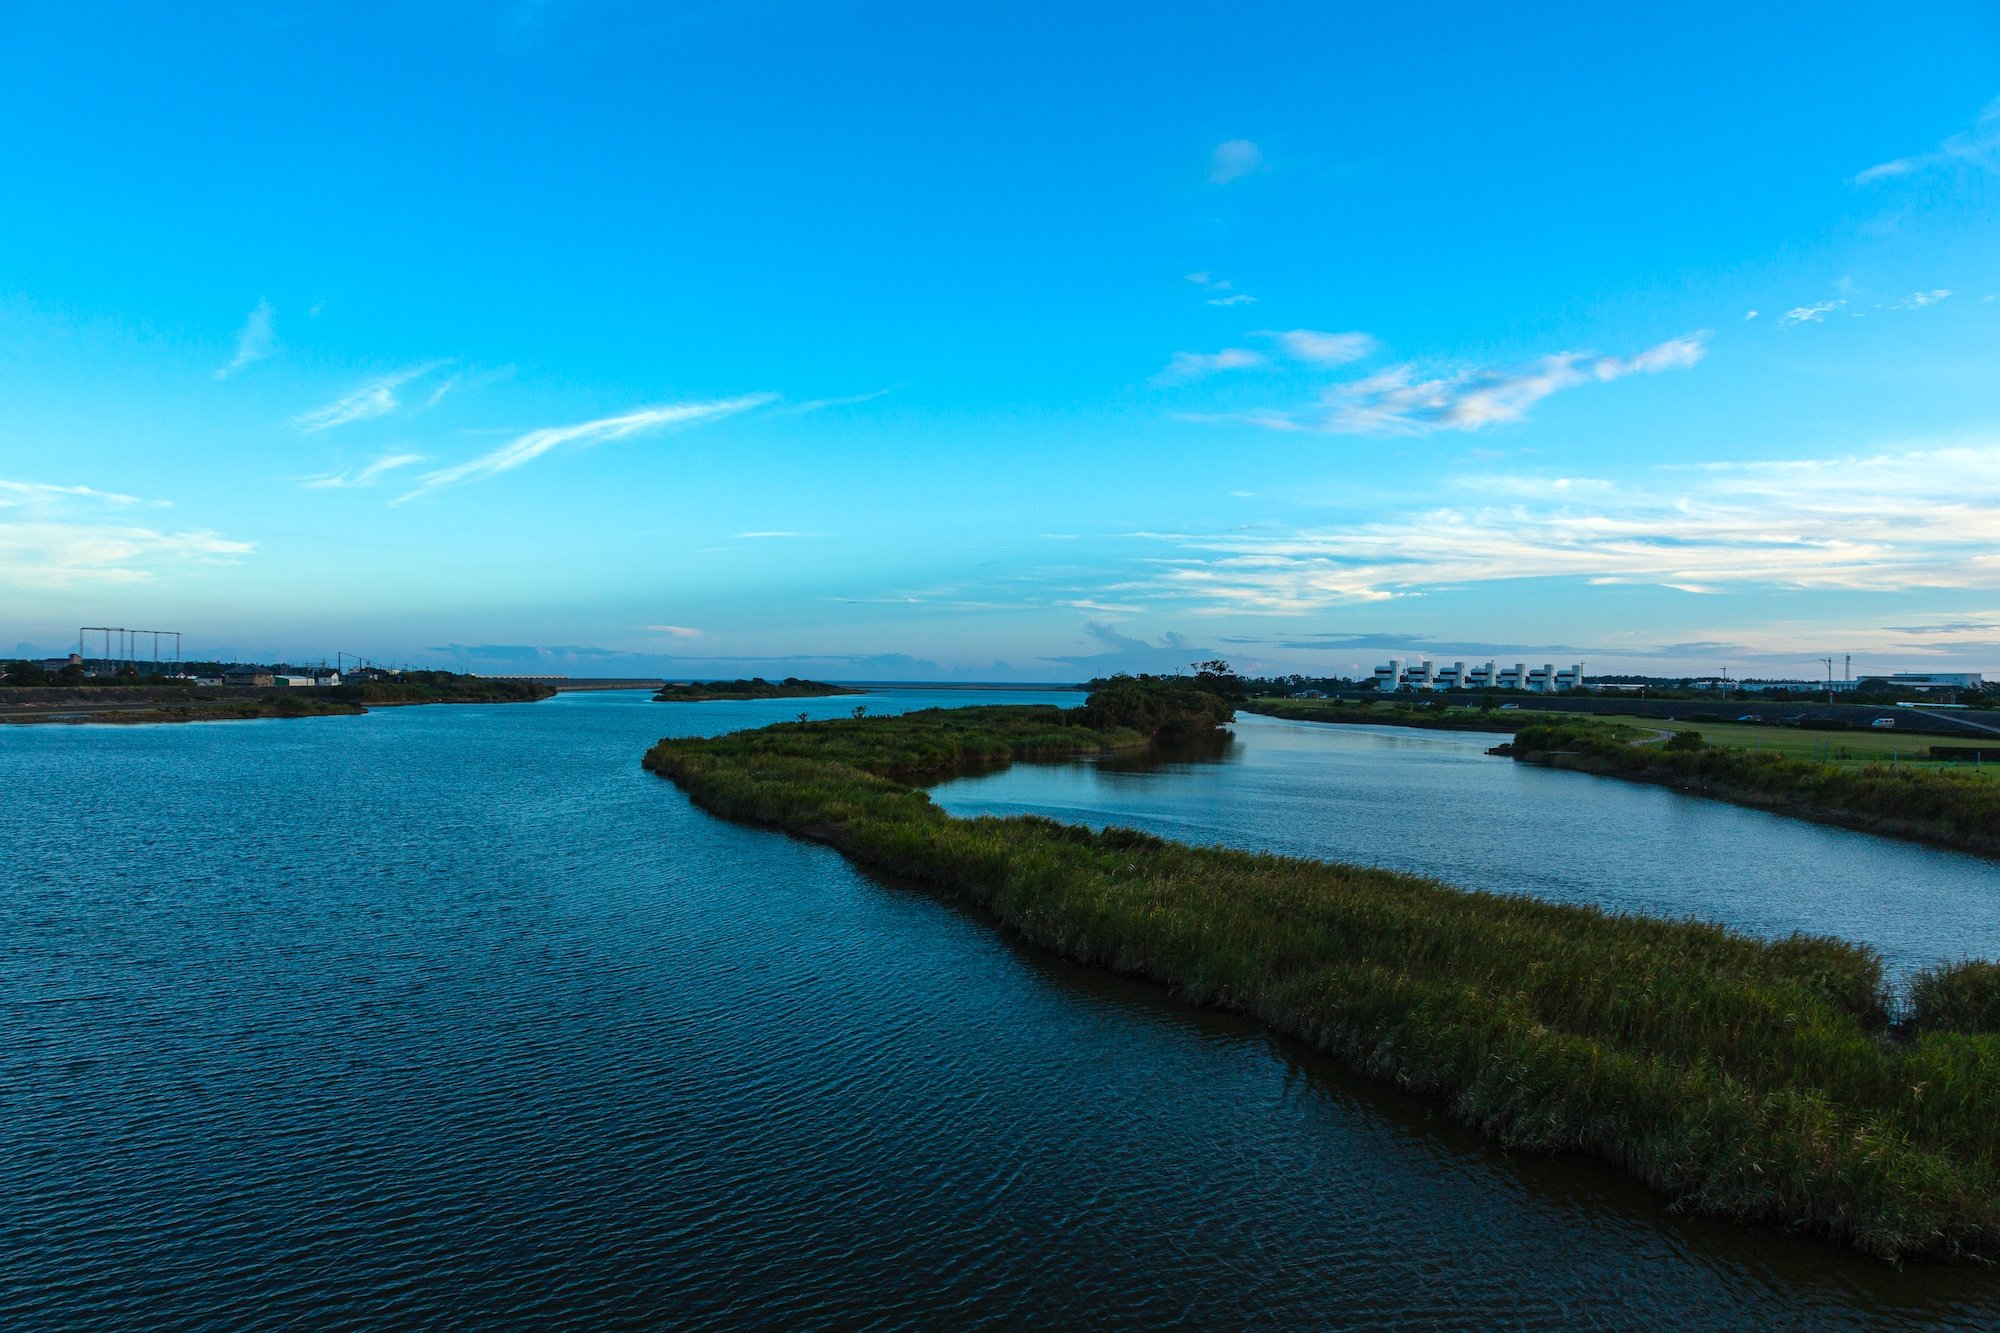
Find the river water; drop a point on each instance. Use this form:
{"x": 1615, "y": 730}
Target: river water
{"x": 455, "y": 1017}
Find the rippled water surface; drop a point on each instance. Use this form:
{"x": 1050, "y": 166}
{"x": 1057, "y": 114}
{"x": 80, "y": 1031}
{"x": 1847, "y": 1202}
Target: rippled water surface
{"x": 454, "y": 1017}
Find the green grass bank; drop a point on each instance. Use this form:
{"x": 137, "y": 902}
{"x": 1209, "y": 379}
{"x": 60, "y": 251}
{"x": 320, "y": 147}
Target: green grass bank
{"x": 1952, "y": 805}
{"x": 1756, "y": 1080}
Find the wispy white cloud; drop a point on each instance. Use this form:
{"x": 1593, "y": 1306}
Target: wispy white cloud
{"x": 526, "y": 448}
{"x": 1398, "y": 401}
{"x": 677, "y": 631}
{"x": 819, "y": 404}
{"x": 376, "y": 398}
{"x": 1224, "y": 293}
{"x": 255, "y": 341}
{"x": 1194, "y": 365}
{"x": 1233, "y": 159}
{"x": 41, "y": 494}
{"x": 65, "y": 536}
{"x": 1888, "y": 522}
{"x": 365, "y": 476}
{"x": 1809, "y": 314}
{"x": 1324, "y": 349}
{"x": 1918, "y": 300}
{"x": 1977, "y": 148}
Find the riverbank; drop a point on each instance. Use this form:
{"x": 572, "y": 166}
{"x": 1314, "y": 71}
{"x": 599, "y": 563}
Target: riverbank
{"x": 704, "y": 691}
{"x": 134, "y": 704}
{"x": 1951, "y": 807}
{"x": 1745, "y": 1079}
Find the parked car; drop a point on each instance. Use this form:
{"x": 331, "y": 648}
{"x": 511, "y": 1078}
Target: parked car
{"x": 1883, "y": 722}
{"x": 1508, "y": 708}
{"x": 1751, "y": 717}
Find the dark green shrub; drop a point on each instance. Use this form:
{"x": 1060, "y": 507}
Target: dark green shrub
{"x": 1957, "y": 997}
{"x": 1685, "y": 742}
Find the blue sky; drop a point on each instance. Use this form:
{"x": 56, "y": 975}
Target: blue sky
{"x": 1009, "y": 342}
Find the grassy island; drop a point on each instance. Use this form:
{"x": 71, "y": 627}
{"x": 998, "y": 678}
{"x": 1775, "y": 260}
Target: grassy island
{"x": 1757, "y": 1080}
{"x": 791, "y": 687}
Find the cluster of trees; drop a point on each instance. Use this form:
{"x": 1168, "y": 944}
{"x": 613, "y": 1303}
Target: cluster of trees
{"x": 1165, "y": 707}
{"x": 33, "y": 673}
{"x": 24, "y": 673}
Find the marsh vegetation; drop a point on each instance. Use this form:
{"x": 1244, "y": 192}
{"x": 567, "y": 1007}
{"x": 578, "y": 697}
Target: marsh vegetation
{"x": 1774, "y": 1081}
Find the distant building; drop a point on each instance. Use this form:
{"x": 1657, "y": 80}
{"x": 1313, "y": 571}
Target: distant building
{"x": 61, "y": 663}
{"x": 1929, "y": 680}
{"x": 248, "y": 675}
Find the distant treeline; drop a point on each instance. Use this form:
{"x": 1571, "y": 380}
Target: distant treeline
{"x": 1956, "y": 808}
{"x": 1427, "y": 715}
{"x": 440, "y": 687}
{"x": 791, "y": 687}
{"x": 1754, "y": 1079}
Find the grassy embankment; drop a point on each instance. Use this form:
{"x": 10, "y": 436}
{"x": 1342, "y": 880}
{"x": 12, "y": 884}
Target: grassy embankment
{"x": 1954, "y": 806}
{"x": 1746, "y": 1079}
{"x": 791, "y": 687}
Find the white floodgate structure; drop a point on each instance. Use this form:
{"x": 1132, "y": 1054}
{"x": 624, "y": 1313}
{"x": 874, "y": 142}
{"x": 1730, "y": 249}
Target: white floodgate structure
{"x": 1427, "y": 675}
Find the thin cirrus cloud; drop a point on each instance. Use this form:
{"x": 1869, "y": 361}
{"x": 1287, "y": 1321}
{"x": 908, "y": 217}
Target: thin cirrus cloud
{"x": 1232, "y": 160}
{"x": 375, "y": 398}
{"x": 365, "y": 476}
{"x": 1399, "y": 401}
{"x": 1887, "y": 522}
{"x": 675, "y": 631}
{"x": 1978, "y": 148}
{"x": 65, "y": 536}
{"x": 527, "y": 448}
{"x": 849, "y": 400}
{"x": 256, "y": 341}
